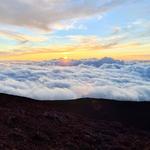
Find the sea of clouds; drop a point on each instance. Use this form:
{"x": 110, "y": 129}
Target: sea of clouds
{"x": 64, "y": 79}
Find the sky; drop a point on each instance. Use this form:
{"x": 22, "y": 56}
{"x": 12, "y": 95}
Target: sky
{"x": 74, "y": 29}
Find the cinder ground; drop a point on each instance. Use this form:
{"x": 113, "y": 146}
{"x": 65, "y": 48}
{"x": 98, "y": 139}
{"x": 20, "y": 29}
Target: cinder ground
{"x": 84, "y": 124}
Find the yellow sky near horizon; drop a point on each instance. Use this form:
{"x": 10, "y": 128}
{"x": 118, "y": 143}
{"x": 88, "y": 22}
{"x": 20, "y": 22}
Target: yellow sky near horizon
{"x": 128, "y": 53}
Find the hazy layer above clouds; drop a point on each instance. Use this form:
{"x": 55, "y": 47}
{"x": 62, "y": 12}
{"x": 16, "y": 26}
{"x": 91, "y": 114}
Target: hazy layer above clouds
{"x": 64, "y": 79}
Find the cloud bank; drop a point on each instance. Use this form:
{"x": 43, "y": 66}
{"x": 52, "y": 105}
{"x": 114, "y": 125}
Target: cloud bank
{"x": 71, "y": 79}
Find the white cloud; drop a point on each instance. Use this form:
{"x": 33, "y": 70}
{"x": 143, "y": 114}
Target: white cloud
{"x": 67, "y": 25}
{"x": 43, "y": 13}
{"x": 51, "y": 80}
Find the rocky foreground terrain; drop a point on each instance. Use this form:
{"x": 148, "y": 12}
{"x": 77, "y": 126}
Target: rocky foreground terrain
{"x": 84, "y": 124}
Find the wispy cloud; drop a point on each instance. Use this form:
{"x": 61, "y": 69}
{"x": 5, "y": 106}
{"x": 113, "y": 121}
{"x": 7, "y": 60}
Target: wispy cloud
{"x": 137, "y": 30}
{"x": 75, "y": 44}
{"x": 21, "y": 38}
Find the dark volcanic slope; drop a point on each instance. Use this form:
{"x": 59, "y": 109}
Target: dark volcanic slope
{"x": 86, "y": 124}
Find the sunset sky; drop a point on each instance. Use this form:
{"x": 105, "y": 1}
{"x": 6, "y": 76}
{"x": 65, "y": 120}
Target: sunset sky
{"x": 74, "y": 29}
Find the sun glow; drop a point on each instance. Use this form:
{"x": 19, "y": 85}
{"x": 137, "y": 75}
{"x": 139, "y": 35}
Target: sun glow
{"x": 65, "y": 57}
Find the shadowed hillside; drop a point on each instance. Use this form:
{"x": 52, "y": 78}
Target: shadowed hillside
{"x": 76, "y": 124}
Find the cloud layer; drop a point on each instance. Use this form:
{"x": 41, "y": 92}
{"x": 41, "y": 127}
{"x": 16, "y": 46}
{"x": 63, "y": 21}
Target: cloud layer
{"x": 64, "y": 79}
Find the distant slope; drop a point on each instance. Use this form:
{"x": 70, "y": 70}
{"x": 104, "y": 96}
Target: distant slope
{"x": 75, "y": 124}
